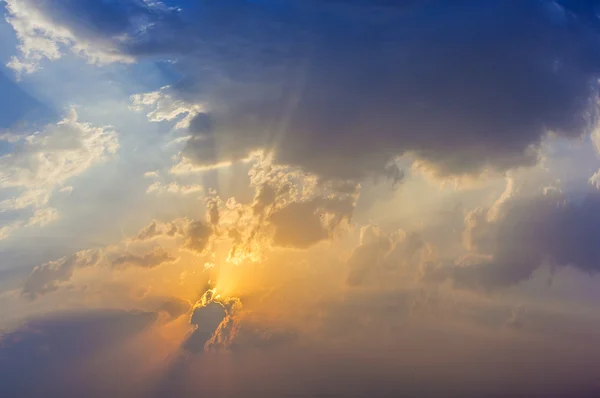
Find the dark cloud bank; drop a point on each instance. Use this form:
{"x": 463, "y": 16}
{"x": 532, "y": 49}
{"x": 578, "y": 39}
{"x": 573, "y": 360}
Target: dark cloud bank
{"x": 341, "y": 87}
{"x": 45, "y": 358}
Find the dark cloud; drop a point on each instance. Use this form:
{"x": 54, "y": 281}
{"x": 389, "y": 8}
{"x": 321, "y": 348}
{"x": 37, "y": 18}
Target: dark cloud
{"x": 197, "y": 235}
{"x": 99, "y": 20}
{"x": 535, "y": 231}
{"x": 340, "y": 87}
{"x": 37, "y": 359}
{"x": 205, "y": 319}
{"x": 471, "y": 85}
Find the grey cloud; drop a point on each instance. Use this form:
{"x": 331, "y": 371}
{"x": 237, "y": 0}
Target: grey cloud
{"x": 534, "y": 231}
{"x": 195, "y": 234}
{"x": 156, "y": 229}
{"x": 340, "y": 88}
{"x": 469, "y": 86}
{"x": 206, "y": 320}
{"x": 33, "y": 355}
{"x": 48, "y": 277}
{"x": 149, "y": 260}
{"x": 52, "y": 275}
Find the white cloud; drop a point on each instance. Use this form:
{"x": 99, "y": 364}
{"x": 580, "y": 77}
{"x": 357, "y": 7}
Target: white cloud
{"x": 595, "y": 180}
{"x": 185, "y": 166}
{"x": 42, "y": 38}
{"x": 6, "y": 230}
{"x": 43, "y": 216}
{"x": 174, "y": 188}
{"x": 151, "y": 174}
{"x": 163, "y": 107}
{"x": 42, "y": 162}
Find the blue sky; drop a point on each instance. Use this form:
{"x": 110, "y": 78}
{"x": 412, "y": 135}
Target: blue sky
{"x": 298, "y": 197}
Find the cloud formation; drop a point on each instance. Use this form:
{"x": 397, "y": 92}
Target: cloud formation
{"x": 310, "y": 80}
{"x": 32, "y": 355}
{"x": 53, "y": 275}
{"x": 207, "y": 317}
{"x": 150, "y": 260}
{"x": 47, "y": 277}
{"x": 534, "y": 231}
{"x": 41, "y": 163}
{"x": 194, "y": 233}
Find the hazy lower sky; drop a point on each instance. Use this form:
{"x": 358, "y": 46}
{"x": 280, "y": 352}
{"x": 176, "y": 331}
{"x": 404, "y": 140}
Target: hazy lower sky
{"x": 303, "y": 198}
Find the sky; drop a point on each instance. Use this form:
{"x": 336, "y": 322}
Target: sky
{"x": 299, "y": 198}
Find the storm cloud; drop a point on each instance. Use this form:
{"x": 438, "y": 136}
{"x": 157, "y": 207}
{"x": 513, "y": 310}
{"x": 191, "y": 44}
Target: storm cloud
{"x": 340, "y": 88}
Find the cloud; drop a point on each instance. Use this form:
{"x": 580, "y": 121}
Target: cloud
{"x": 94, "y": 30}
{"x": 194, "y": 233}
{"x": 152, "y": 259}
{"x": 31, "y": 354}
{"x": 151, "y": 174}
{"x": 432, "y": 89}
{"x": 303, "y": 224}
{"x": 41, "y": 163}
{"x": 342, "y": 88}
{"x": 379, "y": 255}
{"x": 257, "y": 334}
{"x": 290, "y": 209}
{"x": 166, "y": 108}
{"x": 47, "y": 277}
{"x": 221, "y": 324}
{"x": 174, "y": 308}
{"x": 56, "y": 274}
{"x": 43, "y": 216}
{"x": 173, "y": 188}
{"x": 535, "y": 231}
{"x": 206, "y": 319}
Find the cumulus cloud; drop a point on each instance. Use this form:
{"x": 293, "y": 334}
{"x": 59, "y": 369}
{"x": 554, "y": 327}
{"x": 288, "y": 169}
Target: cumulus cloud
{"x": 290, "y": 209}
{"x": 341, "y": 88}
{"x": 42, "y": 162}
{"x": 534, "y": 231}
